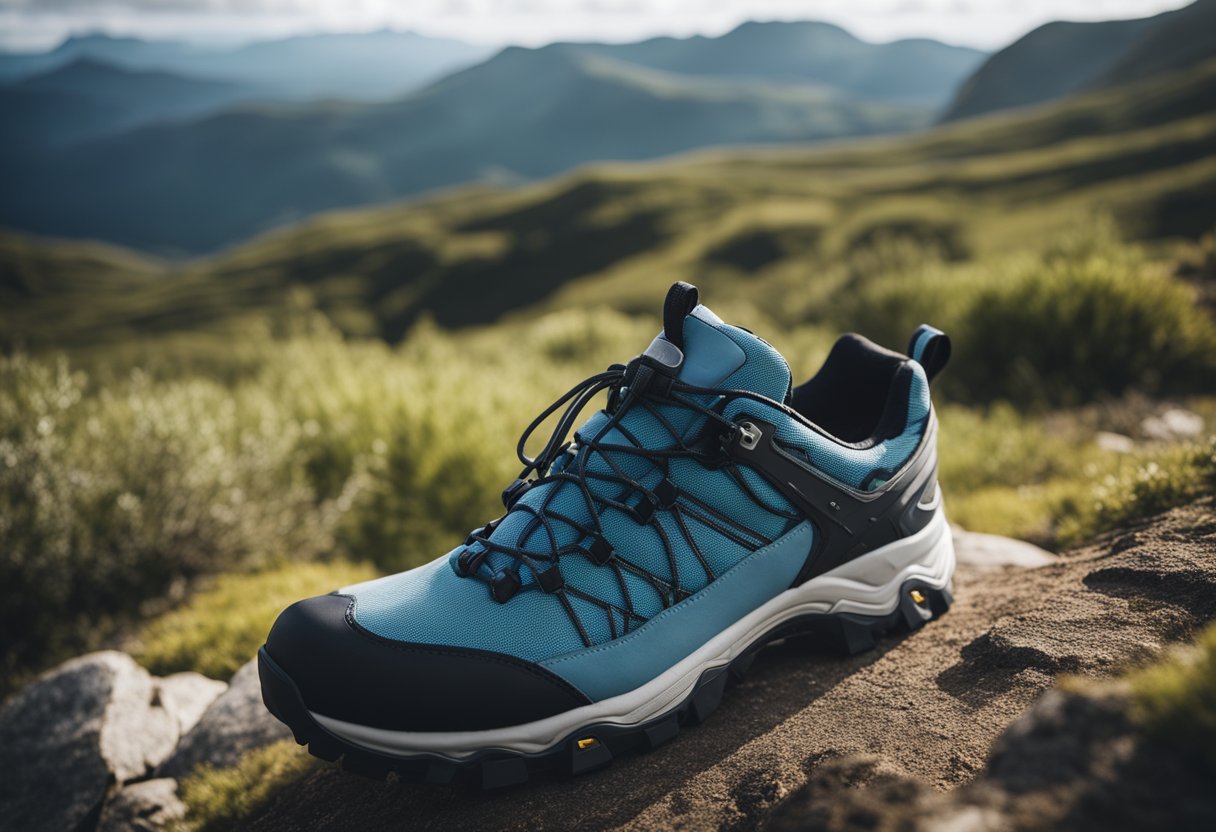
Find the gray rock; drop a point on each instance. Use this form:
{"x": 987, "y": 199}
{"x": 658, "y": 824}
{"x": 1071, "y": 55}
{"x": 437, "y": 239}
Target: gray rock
{"x": 186, "y": 697}
{"x": 92, "y": 722}
{"x": 1114, "y": 442}
{"x": 992, "y": 551}
{"x": 1175, "y": 423}
{"x": 145, "y": 806}
{"x": 237, "y": 722}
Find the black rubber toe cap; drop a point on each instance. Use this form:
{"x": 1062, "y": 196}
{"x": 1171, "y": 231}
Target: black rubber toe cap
{"x": 345, "y": 672}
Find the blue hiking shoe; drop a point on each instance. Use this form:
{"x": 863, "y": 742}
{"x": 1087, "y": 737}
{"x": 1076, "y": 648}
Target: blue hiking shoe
{"x": 709, "y": 508}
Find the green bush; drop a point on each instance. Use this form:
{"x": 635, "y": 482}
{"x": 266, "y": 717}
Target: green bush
{"x": 1089, "y": 317}
{"x": 111, "y": 498}
{"x": 1071, "y": 330}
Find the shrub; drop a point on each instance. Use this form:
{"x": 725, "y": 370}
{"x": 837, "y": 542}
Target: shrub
{"x": 1087, "y": 318}
{"x": 1070, "y": 330}
{"x": 110, "y": 498}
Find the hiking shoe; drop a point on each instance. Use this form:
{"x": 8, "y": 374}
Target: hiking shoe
{"x": 709, "y": 508}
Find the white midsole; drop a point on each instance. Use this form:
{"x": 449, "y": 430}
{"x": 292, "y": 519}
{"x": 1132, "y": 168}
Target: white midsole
{"x": 868, "y": 585}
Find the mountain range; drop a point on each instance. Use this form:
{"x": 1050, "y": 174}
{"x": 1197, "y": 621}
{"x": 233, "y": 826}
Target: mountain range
{"x": 360, "y": 67}
{"x": 178, "y": 163}
{"x": 87, "y": 98}
{"x": 1063, "y": 57}
{"x": 523, "y": 114}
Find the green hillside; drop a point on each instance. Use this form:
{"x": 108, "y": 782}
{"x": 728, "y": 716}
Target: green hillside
{"x": 524, "y": 114}
{"x": 1063, "y": 58}
{"x": 1145, "y": 155}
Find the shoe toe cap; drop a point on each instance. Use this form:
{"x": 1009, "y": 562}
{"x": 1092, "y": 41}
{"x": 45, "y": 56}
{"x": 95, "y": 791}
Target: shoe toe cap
{"x": 345, "y": 672}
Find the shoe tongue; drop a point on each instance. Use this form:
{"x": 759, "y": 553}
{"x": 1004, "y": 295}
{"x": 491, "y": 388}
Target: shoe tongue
{"x": 716, "y": 354}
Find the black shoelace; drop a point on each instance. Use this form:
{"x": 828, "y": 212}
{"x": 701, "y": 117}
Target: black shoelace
{"x": 639, "y": 384}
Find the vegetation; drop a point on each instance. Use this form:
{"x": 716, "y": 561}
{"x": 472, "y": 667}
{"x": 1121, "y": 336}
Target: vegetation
{"x": 1175, "y": 699}
{"x": 124, "y": 486}
{"x": 219, "y": 798}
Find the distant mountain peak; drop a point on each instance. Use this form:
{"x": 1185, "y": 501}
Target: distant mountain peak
{"x": 755, "y": 25}
{"x": 1064, "y": 57}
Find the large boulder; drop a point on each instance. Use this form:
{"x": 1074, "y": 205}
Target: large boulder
{"x": 236, "y": 722}
{"x": 91, "y": 723}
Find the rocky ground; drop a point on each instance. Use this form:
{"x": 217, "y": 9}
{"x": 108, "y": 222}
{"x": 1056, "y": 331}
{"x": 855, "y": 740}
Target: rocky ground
{"x": 98, "y": 743}
{"x": 899, "y": 738}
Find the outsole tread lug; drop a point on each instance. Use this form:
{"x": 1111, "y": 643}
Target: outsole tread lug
{"x": 663, "y": 731}
{"x": 707, "y": 695}
{"x": 591, "y": 758}
{"x": 742, "y": 664}
{"x": 498, "y": 774}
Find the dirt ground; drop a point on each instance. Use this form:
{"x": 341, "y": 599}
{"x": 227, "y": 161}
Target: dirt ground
{"x": 928, "y": 705}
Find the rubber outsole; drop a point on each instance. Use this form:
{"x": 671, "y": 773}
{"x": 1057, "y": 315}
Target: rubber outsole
{"x": 593, "y": 747}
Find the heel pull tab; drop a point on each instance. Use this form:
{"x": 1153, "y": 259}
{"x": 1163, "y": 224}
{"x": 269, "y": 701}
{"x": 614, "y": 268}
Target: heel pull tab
{"x": 930, "y": 347}
{"x": 681, "y": 300}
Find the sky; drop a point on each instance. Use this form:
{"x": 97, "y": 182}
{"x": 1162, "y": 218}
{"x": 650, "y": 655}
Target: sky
{"x": 32, "y": 25}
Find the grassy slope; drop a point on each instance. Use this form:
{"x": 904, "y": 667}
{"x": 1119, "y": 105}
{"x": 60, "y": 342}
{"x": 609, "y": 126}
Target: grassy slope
{"x": 618, "y": 233}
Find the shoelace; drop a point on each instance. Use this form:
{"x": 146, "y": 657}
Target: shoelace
{"x": 638, "y": 384}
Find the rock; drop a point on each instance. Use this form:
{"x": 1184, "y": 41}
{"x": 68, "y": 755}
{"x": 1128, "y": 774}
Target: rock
{"x": 990, "y": 550}
{"x": 186, "y": 697}
{"x": 236, "y": 722}
{"x": 145, "y": 806}
{"x": 1174, "y": 423}
{"x": 92, "y": 722}
{"x": 1114, "y": 442}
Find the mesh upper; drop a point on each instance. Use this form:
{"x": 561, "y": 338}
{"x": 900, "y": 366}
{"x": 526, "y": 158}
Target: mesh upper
{"x": 432, "y": 604}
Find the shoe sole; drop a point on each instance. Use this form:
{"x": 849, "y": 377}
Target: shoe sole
{"x": 594, "y": 745}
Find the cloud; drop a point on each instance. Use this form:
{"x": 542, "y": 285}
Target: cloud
{"x": 987, "y": 23}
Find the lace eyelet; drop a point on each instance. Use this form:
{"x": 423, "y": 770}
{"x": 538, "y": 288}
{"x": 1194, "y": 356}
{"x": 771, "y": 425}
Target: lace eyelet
{"x": 512, "y": 493}
{"x": 504, "y": 586}
{"x": 551, "y": 580}
{"x": 601, "y": 551}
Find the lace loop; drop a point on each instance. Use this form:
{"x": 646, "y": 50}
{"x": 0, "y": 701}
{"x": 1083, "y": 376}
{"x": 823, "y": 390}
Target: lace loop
{"x": 643, "y": 383}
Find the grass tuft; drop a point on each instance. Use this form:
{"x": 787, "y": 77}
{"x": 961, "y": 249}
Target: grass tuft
{"x": 219, "y": 629}
{"x": 1176, "y": 699}
{"x": 220, "y": 798}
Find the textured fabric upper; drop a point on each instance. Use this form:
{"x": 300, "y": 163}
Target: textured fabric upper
{"x": 432, "y": 604}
